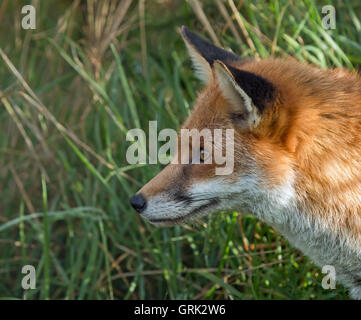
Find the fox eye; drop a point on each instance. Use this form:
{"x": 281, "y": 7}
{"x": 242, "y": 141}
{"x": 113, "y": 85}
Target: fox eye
{"x": 203, "y": 155}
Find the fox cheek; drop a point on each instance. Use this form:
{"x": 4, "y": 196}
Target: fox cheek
{"x": 180, "y": 195}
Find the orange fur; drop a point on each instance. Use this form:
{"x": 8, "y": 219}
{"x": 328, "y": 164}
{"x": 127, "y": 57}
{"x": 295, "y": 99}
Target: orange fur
{"x": 316, "y": 124}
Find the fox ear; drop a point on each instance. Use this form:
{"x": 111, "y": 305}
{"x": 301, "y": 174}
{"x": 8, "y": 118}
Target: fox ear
{"x": 203, "y": 54}
{"x": 247, "y": 93}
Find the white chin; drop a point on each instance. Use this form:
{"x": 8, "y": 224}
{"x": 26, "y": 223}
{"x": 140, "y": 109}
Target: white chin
{"x": 166, "y": 222}
{"x": 173, "y": 214}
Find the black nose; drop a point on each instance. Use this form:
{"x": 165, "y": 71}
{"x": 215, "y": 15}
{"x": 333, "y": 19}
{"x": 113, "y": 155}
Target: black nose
{"x": 138, "y": 202}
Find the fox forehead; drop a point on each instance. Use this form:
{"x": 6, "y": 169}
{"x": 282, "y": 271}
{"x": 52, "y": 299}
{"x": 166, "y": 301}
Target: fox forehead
{"x": 209, "y": 111}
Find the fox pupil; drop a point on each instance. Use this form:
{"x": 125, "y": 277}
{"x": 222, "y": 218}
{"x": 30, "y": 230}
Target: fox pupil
{"x": 202, "y": 155}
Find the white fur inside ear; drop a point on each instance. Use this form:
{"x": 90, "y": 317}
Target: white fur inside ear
{"x": 238, "y": 98}
{"x": 201, "y": 67}
{"x": 230, "y": 89}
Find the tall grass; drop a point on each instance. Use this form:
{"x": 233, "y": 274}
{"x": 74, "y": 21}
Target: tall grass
{"x": 69, "y": 92}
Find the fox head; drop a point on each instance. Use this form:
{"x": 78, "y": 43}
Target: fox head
{"x": 287, "y": 127}
{"x": 239, "y": 97}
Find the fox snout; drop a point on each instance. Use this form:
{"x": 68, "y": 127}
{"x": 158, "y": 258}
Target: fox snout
{"x": 138, "y": 202}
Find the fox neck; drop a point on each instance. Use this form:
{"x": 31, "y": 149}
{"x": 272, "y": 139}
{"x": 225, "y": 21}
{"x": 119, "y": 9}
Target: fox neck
{"x": 317, "y": 237}
{"x": 289, "y": 213}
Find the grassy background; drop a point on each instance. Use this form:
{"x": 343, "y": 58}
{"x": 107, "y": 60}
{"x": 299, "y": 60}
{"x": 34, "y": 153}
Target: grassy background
{"x": 70, "y": 90}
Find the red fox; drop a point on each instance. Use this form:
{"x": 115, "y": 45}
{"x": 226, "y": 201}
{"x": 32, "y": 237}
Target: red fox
{"x": 297, "y": 155}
